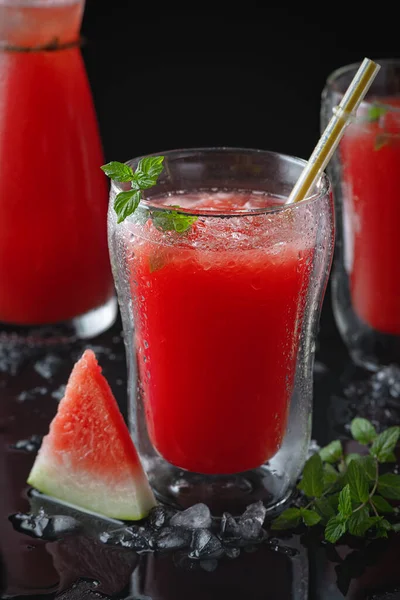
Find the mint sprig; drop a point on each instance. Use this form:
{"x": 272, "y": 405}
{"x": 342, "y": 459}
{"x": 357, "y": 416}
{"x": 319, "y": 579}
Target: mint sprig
{"x": 144, "y": 177}
{"x": 172, "y": 220}
{"x": 348, "y": 493}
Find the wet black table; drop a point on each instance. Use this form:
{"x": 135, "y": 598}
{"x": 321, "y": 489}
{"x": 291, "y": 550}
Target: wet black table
{"x": 82, "y": 567}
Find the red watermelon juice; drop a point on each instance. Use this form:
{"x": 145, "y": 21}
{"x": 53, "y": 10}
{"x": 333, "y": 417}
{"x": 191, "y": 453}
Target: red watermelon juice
{"x": 217, "y": 315}
{"x": 370, "y": 157}
{"x": 54, "y": 262}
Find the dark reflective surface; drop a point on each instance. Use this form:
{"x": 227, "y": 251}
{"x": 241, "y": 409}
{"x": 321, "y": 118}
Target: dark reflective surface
{"x": 78, "y": 565}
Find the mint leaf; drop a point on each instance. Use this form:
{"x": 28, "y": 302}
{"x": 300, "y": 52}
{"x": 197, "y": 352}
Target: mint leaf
{"x": 171, "y": 220}
{"x": 362, "y": 430}
{"x": 126, "y": 203}
{"x": 289, "y": 519}
{"x": 358, "y": 482}
{"x": 145, "y": 176}
{"x": 385, "y": 443}
{"x": 375, "y": 112}
{"x": 396, "y": 527}
{"x": 381, "y": 526}
{"x": 148, "y": 171}
{"x": 332, "y": 452}
{"x": 330, "y": 476}
{"x": 352, "y": 456}
{"x": 310, "y": 517}
{"x": 389, "y": 486}
{"x": 381, "y": 504}
{"x": 325, "y": 508}
{"x": 369, "y": 464}
{"x": 359, "y": 522}
{"x": 118, "y": 171}
{"x": 344, "y": 507}
{"x": 312, "y": 482}
{"x": 334, "y": 529}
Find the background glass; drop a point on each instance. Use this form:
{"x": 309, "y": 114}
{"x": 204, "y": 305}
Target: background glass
{"x": 220, "y": 324}
{"x": 365, "y": 174}
{"x": 54, "y": 261}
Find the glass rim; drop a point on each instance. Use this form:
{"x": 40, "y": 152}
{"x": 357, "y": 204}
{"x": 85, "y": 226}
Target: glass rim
{"x": 323, "y": 184}
{"x": 331, "y": 82}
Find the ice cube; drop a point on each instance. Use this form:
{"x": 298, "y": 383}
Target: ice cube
{"x": 251, "y": 522}
{"x": 60, "y": 526}
{"x": 30, "y": 445}
{"x": 134, "y": 538}
{"x": 230, "y": 530}
{"x": 205, "y": 544}
{"x": 195, "y": 517}
{"x": 28, "y": 395}
{"x": 159, "y": 516}
{"x": 83, "y": 589}
{"x": 33, "y": 525}
{"x": 173, "y": 538}
{"x": 232, "y": 552}
{"x": 58, "y": 394}
{"x": 48, "y": 366}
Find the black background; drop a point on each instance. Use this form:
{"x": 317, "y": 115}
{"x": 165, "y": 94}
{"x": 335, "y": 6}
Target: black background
{"x": 191, "y": 81}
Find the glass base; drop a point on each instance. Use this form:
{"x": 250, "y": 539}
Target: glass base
{"x": 368, "y": 348}
{"x": 86, "y": 326}
{"x": 221, "y": 493}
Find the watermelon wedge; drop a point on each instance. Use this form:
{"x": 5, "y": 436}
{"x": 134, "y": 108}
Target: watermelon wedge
{"x": 88, "y": 457}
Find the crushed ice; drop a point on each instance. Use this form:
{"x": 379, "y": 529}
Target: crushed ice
{"x": 192, "y": 535}
{"x": 377, "y": 397}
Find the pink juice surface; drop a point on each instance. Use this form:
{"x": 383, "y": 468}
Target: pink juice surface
{"x": 217, "y": 318}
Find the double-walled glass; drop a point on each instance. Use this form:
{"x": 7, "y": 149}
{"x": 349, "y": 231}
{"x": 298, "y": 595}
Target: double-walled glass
{"x": 220, "y": 304}
{"x": 365, "y": 174}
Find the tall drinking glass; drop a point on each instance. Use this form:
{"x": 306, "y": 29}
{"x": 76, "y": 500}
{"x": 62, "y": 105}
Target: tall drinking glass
{"x": 220, "y": 318}
{"x": 365, "y": 174}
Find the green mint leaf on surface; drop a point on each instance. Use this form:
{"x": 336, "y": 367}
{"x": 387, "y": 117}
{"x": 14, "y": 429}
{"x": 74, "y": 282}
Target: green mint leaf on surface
{"x": 310, "y": 517}
{"x": 369, "y": 464}
{"x": 144, "y": 177}
{"x": 359, "y": 522}
{"x": 331, "y": 476}
{"x": 381, "y": 526}
{"x": 384, "y": 445}
{"x": 118, "y": 171}
{"x": 345, "y": 508}
{"x": 391, "y": 458}
{"x": 332, "y": 452}
{"x": 352, "y": 456}
{"x": 362, "y": 430}
{"x": 289, "y": 519}
{"x": 171, "y": 220}
{"x": 396, "y": 527}
{"x": 126, "y": 203}
{"x": 312, "y": 482}
{"x": 334, "y": 529}
{"x": 381, "y": 504}
{"x": 357, "y": 481}
{"x": 375, "y": 112}
{"x": 389, "y": 486}
{"x": 325, "y": 508}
